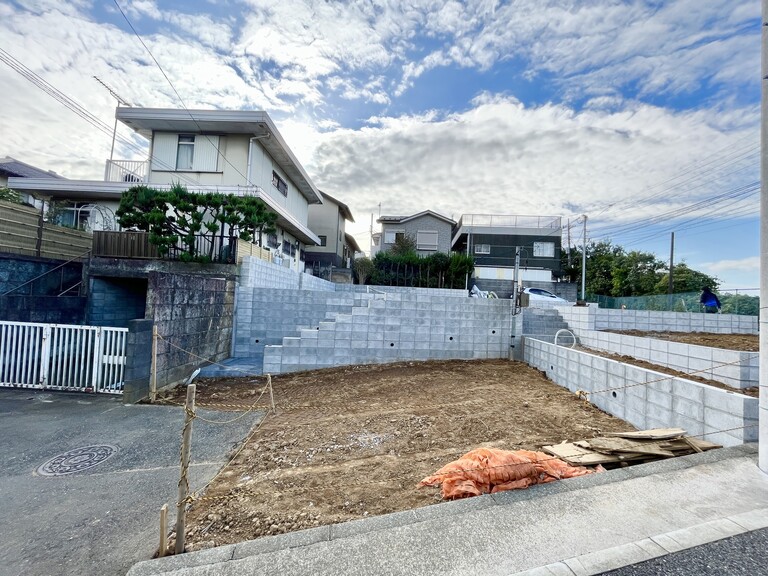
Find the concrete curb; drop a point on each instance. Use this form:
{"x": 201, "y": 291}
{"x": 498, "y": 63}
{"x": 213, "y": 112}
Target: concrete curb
{"x": 627, "y": 553}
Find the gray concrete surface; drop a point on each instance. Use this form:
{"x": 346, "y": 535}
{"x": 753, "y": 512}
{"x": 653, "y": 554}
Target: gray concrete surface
{"x": 575, "y": 527}
{"x": 104, "y": 519}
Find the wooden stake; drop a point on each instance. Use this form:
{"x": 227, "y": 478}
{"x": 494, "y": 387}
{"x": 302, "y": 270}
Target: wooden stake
{"x": 271, "y": 395}
{"x": 163, "y": 550}
{"x": 181, "y": 506}
{"x": 153, "y": 380}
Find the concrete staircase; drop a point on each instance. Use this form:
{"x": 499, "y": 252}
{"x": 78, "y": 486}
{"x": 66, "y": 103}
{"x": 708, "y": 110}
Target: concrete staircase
{"x": 542, "y": 323}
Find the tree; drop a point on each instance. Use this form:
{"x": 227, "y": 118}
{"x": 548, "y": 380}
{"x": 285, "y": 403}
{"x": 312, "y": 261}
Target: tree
{"x": 405, "y": 245}
{"x": 177, "y": 217}
{"x": 686, "y": 280}
{"x": 10, "y": 195}
{"x": 613, "y": 272}
{"x": 363, "y": 267}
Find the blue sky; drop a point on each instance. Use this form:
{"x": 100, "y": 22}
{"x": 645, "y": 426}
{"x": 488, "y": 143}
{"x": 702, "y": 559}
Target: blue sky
{"x": 643, "y": 115}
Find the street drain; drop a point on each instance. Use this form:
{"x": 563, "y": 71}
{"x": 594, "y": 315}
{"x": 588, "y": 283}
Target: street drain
{"x": 76, "y": 460}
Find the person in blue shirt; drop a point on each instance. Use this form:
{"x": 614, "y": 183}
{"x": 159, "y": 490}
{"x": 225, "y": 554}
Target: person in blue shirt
{"x": 709, "y": 300}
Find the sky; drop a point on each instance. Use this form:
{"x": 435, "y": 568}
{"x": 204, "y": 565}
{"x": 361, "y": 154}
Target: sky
{"x": 642, "y": 115}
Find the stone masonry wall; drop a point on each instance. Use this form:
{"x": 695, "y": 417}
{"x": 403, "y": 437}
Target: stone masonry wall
{"x": 194, "y": 316}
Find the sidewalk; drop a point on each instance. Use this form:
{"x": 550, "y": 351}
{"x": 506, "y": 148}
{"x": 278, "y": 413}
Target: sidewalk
{"x": 580, "y": 526}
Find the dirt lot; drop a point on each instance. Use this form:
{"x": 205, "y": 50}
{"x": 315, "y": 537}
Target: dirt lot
{"x": 745, "y": 342}
{"x": 353, "y": 442}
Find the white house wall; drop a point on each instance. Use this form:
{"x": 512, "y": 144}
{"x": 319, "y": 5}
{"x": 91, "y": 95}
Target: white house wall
{"x": 262, "y": 166}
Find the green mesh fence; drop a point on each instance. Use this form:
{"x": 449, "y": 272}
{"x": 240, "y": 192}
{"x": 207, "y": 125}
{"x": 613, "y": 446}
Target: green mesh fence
{"x": 681, "y": 302}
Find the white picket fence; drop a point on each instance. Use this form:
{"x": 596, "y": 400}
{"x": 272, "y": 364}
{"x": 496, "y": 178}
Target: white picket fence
{"x": 62, "y": 357}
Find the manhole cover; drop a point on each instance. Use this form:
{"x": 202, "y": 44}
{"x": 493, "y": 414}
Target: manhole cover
{"x": 76, "y": 460}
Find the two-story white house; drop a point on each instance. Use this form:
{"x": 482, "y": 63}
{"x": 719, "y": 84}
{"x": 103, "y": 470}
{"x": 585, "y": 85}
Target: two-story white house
{"x": 227, "y": 151}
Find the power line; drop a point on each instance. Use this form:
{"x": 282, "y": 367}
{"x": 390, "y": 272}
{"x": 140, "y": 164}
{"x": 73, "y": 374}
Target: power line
{"x": 77, "y": 108}
{"x": 181, "y": 100}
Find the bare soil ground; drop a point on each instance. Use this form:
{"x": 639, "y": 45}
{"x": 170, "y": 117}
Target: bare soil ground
{"x": 353, "y": 442}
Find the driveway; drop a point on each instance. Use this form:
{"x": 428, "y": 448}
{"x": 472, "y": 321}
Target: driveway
{"x": 102, "y": 519}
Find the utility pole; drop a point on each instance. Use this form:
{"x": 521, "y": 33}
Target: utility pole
{"x": 371, "y": 252}
{"x": 763, "y": 428}
{"x": 584, "y": 261}
{"x": 568, "y": 246}
{"x": 514, "y": 281}
{"x": 671, "y": 264}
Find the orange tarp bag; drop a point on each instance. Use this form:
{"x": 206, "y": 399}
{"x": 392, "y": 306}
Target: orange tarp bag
{"x": 489, "y": 470}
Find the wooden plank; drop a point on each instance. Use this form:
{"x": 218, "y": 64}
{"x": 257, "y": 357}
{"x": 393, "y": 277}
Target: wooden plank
{"x": 653, "y": 434}
{"x": 578, "y": 456}
{"x": 621, "y": 445}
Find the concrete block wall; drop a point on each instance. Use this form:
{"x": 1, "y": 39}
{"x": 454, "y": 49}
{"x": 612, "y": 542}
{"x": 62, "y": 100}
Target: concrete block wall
{"x": 732, "y": 367}
{"x": 399, "y": 327}
{"x": 648, "y": 399}
{"x": 444, "y": 292}
{"x": 258, "y": 273}
{"x": 593, "y": 318}
{"x": 116, "y": 301}
{"x": 265, "y": 317}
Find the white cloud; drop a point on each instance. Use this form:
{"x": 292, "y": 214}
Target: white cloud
{"x": 502, "y": 157}
{"x": 721, "y": 267}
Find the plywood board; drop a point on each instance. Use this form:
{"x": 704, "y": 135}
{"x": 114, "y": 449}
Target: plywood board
{"x": 621, "y": 445}
{"x": 653, "y": 434}
{"x": 578, "y": 456}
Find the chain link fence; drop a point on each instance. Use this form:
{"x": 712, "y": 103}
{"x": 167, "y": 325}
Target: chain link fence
{"x": 736, "y": 303}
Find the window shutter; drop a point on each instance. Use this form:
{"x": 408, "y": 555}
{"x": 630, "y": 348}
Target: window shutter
{"x": 164, "y": 151}
{"x": 206, "y": 153}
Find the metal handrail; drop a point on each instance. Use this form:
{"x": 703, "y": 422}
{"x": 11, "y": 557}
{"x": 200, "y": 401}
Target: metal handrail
{"x": 46, "y": 273}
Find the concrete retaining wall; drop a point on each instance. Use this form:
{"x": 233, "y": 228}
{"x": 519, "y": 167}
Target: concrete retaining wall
{"x": 257, "y": 273}
{"x": 267, "y": 316}
{"x": 594, "y": 318}
{"x": 734, "y": 368}
{"x": 399, "y": 327}
{"x": 648, "y": 399}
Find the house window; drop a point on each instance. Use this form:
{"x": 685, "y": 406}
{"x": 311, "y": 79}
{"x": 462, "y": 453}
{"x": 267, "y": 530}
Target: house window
{"x": 482, "y": 248}
{"x": 544, "y": 249}
{"x": 323, "y": 240}
{"x": 426, "y": 240}
{"x": 279, "y": 183}
{"x": 185, "y": 153}
{"x": 286, "y": 247}
{"x": 392, "y": 236}
{"x": 272, "y": 241}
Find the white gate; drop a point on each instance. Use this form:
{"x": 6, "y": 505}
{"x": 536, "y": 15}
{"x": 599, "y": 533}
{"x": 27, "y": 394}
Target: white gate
{"x": 62, "y": 357}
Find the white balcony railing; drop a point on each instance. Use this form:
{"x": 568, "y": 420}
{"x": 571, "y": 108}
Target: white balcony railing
{"x": 126, "y": 171}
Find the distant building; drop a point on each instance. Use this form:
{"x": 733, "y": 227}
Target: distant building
{"x": 12, "y": 168}
{"x": 328, "y": 221}
{"x": 493, "y": 241}
{"x": 431, "y": 231}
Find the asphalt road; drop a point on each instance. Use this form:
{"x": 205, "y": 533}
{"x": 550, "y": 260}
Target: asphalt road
{"x": 102, "y": 519}
{"x": 742, "y": 555}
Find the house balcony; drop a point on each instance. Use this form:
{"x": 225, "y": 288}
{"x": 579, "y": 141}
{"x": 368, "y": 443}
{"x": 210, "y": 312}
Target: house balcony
{"x": 504, "y": 224}
{"x": 126, "y": 171}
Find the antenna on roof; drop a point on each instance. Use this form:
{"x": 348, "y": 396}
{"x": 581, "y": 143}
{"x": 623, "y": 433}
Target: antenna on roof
{"x": 120, "y": 100}
{"x": 115, "y": 95}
